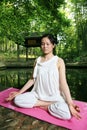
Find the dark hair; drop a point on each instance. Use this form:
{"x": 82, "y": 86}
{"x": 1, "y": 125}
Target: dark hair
{"x": 52, "y": 38}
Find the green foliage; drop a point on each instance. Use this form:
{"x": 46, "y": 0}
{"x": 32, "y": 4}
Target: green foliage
{"x": 81, "y": 24}
{"x": 22, "y": 18}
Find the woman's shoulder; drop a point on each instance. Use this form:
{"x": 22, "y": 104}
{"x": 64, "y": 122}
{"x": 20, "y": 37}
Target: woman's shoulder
{"x": 37, "y": 60}
{"x": 60, "y": 61}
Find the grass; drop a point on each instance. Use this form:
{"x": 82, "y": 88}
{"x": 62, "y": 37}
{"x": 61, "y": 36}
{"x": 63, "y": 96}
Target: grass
{"x": 10, "y": 61}
{"x": 13, "y": 57}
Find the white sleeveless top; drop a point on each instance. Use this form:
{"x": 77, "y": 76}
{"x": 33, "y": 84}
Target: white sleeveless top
{"x": 46, "y": 77}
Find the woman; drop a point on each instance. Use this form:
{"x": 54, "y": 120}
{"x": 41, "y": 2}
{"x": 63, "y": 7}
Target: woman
{"x": 50, "y": 89}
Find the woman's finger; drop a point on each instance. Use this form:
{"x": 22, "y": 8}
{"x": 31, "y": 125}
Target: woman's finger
{"x": 77, "y": 108}
{"x": 77, "y": 115}
{"x": 12, "y": 93}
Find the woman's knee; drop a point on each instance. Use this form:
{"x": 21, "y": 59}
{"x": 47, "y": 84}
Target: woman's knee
{"x": 18, "y": 101}
{"x": 60, "y": 110}
{"x": 25, "y": 100}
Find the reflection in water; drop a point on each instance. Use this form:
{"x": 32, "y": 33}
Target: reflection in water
{"x": 18, "y": 77}
{"x": 14, "y": 78}
{"x": 77, "y": 80}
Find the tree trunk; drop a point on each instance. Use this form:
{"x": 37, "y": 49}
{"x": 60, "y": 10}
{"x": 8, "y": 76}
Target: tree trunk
{"x": 26, "y": 53}
{"x": 18, "y": 52}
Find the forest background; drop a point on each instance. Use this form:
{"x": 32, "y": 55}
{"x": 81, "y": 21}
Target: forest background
{"x": 67, "y": 19}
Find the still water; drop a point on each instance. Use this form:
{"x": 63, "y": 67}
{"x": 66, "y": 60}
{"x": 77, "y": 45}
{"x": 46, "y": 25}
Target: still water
{"x": 76, "y": 78}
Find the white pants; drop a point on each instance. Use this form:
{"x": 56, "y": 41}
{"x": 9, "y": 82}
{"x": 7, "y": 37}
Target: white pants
{"x": 60, "y": 110}
{"x": 26, "y": 100}
{"x": 29, "y": 99}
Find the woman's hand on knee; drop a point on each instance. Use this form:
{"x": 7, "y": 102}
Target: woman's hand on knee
{"x": 12, "y": 95}
{"x": 75, "y": 110}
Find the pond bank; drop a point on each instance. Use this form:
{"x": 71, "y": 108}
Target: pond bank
{"x": 2, "y": 65}
{"x": 30, "y": 63}
{"x": 77, "y": 65}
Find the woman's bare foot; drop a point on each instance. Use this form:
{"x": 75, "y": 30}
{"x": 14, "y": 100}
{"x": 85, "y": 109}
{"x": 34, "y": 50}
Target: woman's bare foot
{"x": 45, "y": 108}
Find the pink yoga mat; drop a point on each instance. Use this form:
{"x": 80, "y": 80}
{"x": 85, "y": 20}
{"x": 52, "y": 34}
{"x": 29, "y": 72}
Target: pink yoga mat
{"x": 72, "y": 124}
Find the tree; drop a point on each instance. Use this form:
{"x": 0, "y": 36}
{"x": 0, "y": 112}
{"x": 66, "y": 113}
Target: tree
{"x": 81, "y": 24}
{"x": 20, "y": 18}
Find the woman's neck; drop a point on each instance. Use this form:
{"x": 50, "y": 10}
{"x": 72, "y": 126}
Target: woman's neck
{"x": 48, "y": 56}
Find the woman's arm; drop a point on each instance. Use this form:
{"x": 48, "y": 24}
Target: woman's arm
{"x": 25, "y": 87}
{"x": 65, "y": 89}
{"x": 63, "y": 82}
{"x": 12, "y": 95}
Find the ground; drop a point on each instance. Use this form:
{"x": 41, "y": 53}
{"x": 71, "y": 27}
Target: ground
{"x": 11, "y": 120}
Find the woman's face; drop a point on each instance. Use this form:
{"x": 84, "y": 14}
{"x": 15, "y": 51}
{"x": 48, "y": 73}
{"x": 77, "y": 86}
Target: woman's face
{"x": 46, "y": 45}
